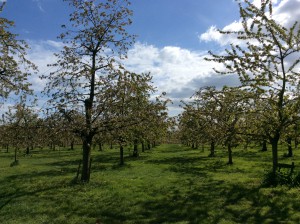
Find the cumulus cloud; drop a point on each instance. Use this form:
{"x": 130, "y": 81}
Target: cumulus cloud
{"x": 285, "y": 12}
{"x": 172, "y": 67}
{"x": 177, "y": 71}
{"x": 42, "y": 54}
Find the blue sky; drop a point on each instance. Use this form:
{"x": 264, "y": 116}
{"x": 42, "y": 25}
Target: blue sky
{"x": 158, "y": 22}
{"x": 173, "y": 38}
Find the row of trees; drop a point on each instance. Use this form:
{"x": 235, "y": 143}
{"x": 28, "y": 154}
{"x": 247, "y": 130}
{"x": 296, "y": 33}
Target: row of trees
{"x": 91, "y": 95}
{"x": 267, "y": 104}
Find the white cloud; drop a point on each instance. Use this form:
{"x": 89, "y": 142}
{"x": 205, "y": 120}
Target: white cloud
{"x": 286, "y": 12}
{"x": 39, "y": 5}
{"x": 41, "y": 54}
{"x": 171, "y": 67}
{"x": 174, "y": 69}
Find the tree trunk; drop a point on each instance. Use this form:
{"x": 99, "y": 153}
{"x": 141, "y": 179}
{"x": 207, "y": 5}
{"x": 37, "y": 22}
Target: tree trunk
{"x": 154, "y": 144}
{"x": 121, "y": 155}
{"x": 72, "y": 145}
{"x": 264, "y": 146}
{"x": 148, "y": 145}
{"x": 230, "y": 162}
{"x": 290, "y": 150}
{"x": 143, "y": 146}
{"x": 100, "y": 146}
{"x": 135, "y": 149}
{"x": 86, "y": 159}
{"x": 27, "y": 150}
{"x": 212, "y": 149}
{"x": 274, "y": 142}
{"x": 16, "y": 150}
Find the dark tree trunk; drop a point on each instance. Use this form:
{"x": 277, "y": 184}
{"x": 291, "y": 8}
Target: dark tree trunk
{"x": 121, "y": 155}
{"x": 264, "y": 146}
{"x": 153, "y": 144}
{"x": 111, "y": 145}
{"x": 290, "y": 150}
{"x": 135, "y": 149}
{"x": 72, "y": 145}
{"x": 274, "y": 143}
{"x": 212, "y": 149}
{"x": 148, "y": 145}
{"x": 86, "y": 159}
{"x": 230, "y": 162}
{"x": 193, "y": 145}
{"x": 6, "y": 148}
{"x": 16, "y": 158}
{"x": 143, "y": 146}
{"x": 100, "y": 146}
{"x": 27, "y": 151}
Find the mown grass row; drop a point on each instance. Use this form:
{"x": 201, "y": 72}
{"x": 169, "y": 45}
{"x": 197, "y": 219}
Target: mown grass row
{"x": 168, "y": 184}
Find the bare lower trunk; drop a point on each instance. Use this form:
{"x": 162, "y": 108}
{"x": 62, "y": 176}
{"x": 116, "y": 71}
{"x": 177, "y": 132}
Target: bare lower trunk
{"x": 27, "y": 150}
{"x": 86, "y": 159}
{"x": 290, "y": 149}
{"x": 264, "y": 146}
{"x": 143, "y": 146}
{"x": 274, "y": 142}
{"x": 212, "y": 149}
{"x": 121, "y": 155}
{"x": 16, "y": 150}
{"x": 230, "y": 162}
{"x": 135, "y": 149}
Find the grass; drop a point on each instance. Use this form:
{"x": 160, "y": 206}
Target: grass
{"x": 169, "y": 184}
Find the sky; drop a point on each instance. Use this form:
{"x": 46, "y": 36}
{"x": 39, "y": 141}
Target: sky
{"x": 173, "y": 38}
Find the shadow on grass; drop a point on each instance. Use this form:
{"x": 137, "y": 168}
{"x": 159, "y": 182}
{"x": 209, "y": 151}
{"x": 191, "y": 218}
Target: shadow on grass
{"x": 215, "y": 202}
{"x": 21, "y": 192}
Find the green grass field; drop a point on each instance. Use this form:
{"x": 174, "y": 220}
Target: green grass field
{"x": 169, "y": 184}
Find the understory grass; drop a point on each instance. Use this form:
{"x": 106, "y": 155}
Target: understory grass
{"x": 168, "y": 184}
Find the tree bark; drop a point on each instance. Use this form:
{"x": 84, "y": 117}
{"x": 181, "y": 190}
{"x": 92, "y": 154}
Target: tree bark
{"x": 72, "y": 145}
{"x": 274, "y": 143}
{"x": 27, "y": 150}
{"x": 264, "y": 146}
{"x": 135, "y": 149}
{"x": 16, "y": 150}
{"x": 86, "y": 157}
{"x": 290, "y": 149}
{"x": 230, "y": 162}
{"x": 100, "y": 146}
{"x": 121, "y": 155}
{"x": 212, "y": 149}
{"x": 143, "y": 146}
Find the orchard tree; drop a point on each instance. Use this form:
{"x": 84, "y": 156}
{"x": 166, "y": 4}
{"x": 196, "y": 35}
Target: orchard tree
{"x": 24, "y": 126}
{"x": 14, "y": 66}
{"x": 267, "y": 63}
{"x": 223, "y": 110}
{"x": 82, "y": 82}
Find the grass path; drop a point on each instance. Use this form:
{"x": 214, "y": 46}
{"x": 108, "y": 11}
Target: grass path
{"x": 169, "y": 184}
